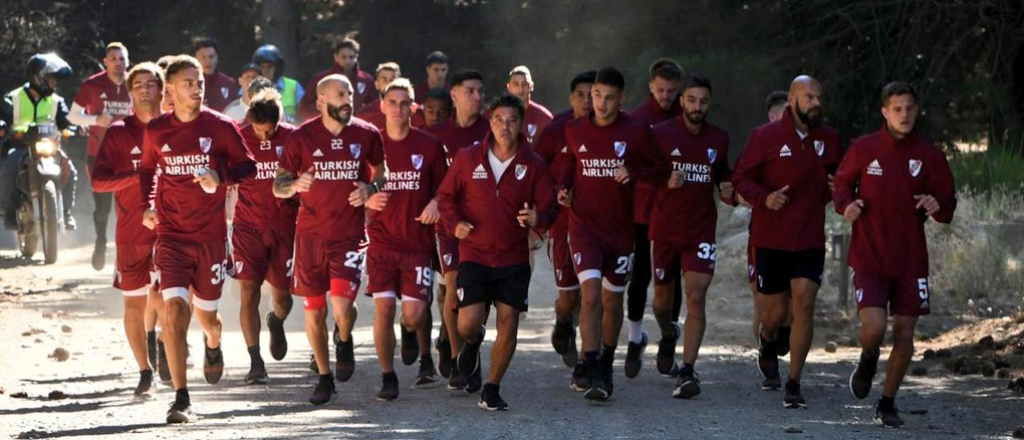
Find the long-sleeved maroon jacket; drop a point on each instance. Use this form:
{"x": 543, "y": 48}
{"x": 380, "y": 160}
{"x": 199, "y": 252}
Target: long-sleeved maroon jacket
{"x": 888, "y": 237}
{"x": 774, "y": 157}
{"x": 469, "y": 193}
{"x": 116, "y": 171}
{"x": 651, "y": 113}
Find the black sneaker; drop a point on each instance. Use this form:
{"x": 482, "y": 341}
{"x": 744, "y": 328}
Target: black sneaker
{"x": 151, "y": 348}
{"x": 469, "y": 356}
{"x": 444, "y": 357}
{"x": 768, "y": 366}
{"x": 475, "y": 381}
{"x": 278, "y": 341}
{"x": 145, "y": 384}
{"x": 563, "y": 339}
{"x": 345, "y": 358}
{"x": 688, "y": 385}
{"x": 181, "y": 412}
{"x": 634, "y": 352}
{"x": 491, "y": 400}
{"x": 427, "y": 376}
{"x": 324, "y": 392}
{"x": 99, "y": 252}
{"x": 595, "y": 384}
{"x": 410, "y": 346}
{"x": 793, "y": 398}
{"x": 213, "y": 364}
{"x": 667, "y": 353}
{"x": 579, "y": 381}
{"x": 456, "y": 380}
{"x": 163, "y": 367}
{"x": 257, "y": 375}
{"x": 782, "y": 341}
{"x": 862, "y": 376}
{"x": 607, "y": 361}
{"x": 312, "y": 364}
{"x": 887, "y": 417}
{"x": 388, "y": 388}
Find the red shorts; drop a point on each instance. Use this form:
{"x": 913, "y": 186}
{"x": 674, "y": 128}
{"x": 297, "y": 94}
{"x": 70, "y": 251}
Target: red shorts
{"x": 448, "y": 251}
{"x": 135, "y": 269}
{"x": 561, "y": 262}
{"x": 594, "y": 259}
{"x": 318, "y": 263}
{"x": 407, "y": 274}
{"x": 667, "y": 257}
{"x": 263, "y": 254}
{"x": 908, "y": 296}
{"x": 202, "y": 266}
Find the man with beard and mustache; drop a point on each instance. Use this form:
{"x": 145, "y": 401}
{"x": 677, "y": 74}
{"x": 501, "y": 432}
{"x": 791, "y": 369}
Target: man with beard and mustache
{"x": 785, "y": 173}
{"x": 328, "y": 156}
{"x": 198, "y": 153}
{"x": 102, "y": 100}
{"x": 520, "y": 85}
{"x": 682, "y": 228}
{"x": 662, "y": 105}
{"x": 888, "y": 186}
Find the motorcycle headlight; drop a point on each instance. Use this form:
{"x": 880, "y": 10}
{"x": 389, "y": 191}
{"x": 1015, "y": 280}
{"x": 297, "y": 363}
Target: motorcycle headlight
{"x": 46, "y": 147}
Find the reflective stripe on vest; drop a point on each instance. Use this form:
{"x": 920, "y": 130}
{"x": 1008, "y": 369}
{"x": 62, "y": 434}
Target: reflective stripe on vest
{"x": 25, "y": 112}
{"x": 288, "y": 100}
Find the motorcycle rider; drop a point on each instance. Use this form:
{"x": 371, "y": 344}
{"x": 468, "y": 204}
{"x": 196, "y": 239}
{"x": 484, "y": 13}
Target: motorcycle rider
{"x": 271, "y": 63}
{"x": 35, "y": 102}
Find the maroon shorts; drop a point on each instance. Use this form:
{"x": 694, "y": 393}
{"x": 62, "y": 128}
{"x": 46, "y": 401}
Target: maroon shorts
{"x": 318, "y": 263}
{"x": 592, "y": 258}
{"x": 202, "y": 266}
{"x": 908, "y": 296}
{"x": 407, "y": 274}
{"x": 561, "y": 262}
{"x": 448, "y": 253}
{"x": 263, "y": 254}
{"x": 134, "y": 265}
{"x": 668, "y": 257}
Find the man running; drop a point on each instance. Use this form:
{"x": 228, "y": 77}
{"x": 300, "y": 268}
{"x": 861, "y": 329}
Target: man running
{"x": 682, "y": 226}
{"x": 464, "y": 129}
{"x": 437, "y": 76}
{"x": 784, "y": 173}
{"x": 520, "y": 84}
{"x": 198, "y": 152}
{"x": 116, "y": 170}
{"x": 888, "y": 185}
{"x": 263, "y": 233}
{"x": 662, "y": 104}
{"x": 493, "y": 195}
{"x": 608, "y": 151}
{"x": 550, "y": 146}
{"x": 436, "y": 107}
{"x": 221, "y": 89}
{"x": 102, "y": 100}
{"x": 402, "y": 240}
{"x": 335, "y": 163}
{"x": 346, "y": 62}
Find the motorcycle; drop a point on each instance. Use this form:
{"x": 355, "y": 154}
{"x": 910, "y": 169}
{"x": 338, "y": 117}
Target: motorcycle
{"x": 40, "y": 215}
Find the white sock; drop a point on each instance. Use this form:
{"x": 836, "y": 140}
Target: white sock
{"x": 636, "y": 330}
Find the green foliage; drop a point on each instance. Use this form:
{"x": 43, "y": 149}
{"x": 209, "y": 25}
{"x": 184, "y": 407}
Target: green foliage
{"x": 988, "y": 171}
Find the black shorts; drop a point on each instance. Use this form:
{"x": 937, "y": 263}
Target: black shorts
{"x": 775, "y": 268}
{"x": 483, "y": 284}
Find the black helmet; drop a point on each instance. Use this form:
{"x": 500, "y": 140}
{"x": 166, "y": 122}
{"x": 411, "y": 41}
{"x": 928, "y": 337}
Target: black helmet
{"x": 43, "y": 66}
{"x": 268, "y": 53}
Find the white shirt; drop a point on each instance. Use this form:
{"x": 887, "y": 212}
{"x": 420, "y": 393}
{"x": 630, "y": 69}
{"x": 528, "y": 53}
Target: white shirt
{"x": 497, "y": 166}
{"x": 236, "y": 111}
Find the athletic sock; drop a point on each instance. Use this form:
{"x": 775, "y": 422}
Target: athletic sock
{"x": 254, "y": 355}
{"x": 181, "y": 396}
{"x": 687, "y": 368}
{"x": 888, "y": 403}
{"x": 636, "y": 331}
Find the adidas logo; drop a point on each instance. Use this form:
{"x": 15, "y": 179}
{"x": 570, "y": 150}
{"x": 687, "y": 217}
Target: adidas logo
{"x": 874, "y": 169}
{"x": 165, "y": 149}
{"x": 136, "y": 150}
{"x": 103, "y": 95}
{"x": 318, "y": 153}
{"x": 565, "y": 149}
{"x": 480, "y": 172}
{"x": 583, "y": 148}
{"x": 676, "y": 152}
{"x": 785, "y": 151}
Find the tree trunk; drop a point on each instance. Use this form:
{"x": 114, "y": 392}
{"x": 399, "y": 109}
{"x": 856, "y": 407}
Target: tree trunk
{"x": 279, "y": 25}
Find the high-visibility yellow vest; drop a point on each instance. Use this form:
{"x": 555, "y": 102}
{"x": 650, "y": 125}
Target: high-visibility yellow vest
{"x": 26, "y": 112}
{"x": 288, "y": 101}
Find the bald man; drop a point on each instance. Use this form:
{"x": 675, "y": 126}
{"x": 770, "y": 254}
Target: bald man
{"x": 330, "y": 155}
{"x": 785, "y": 173}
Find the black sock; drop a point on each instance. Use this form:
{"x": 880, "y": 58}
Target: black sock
{"x": 590, "y": 356}
{"x": 151, "y": 337}
{"x": 887, "y": 403}
{"x": 327, "y": 378}
{"x": 687, "y": 368}
{"x": 181, "y": 396}
{"x": 146, "y": 374}
{"x": 254, "y": 355}
{"x": 390, "y": 375}
{"x": 607, "y": 351}
{"x": 426, "y": 356}
{"x": 493, "y": 387}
